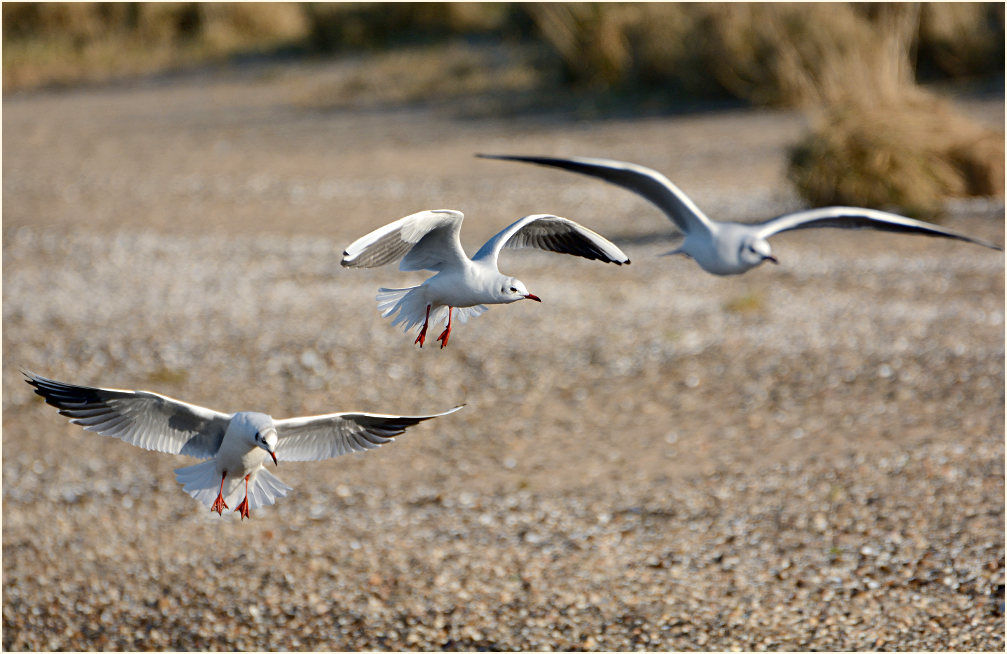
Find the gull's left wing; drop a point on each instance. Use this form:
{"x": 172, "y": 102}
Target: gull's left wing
{"x": 860, "y": 218}
{"x": 314, "y": 438}
{"x": 554, "y": 234}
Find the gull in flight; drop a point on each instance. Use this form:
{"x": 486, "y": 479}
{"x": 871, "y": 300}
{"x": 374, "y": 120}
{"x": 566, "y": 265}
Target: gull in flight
{"x": 236, "y": 444}
{"x": 429, "y": 240}
{"x": 728, "y": 248}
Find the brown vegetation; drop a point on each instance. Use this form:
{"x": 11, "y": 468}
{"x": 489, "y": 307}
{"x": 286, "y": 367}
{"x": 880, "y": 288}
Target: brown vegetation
{"x": 879, "y": 139}
{"x": 911, "y": 156}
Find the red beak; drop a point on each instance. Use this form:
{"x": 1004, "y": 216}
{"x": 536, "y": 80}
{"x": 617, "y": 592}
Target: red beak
{"x": 531, "y": 296}
{"x": 273, "y": 454}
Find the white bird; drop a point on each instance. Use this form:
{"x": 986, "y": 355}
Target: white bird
{"x": 729, "y": 248}
{"x": 429, "y": 240}
{"x": 236, "y": 444}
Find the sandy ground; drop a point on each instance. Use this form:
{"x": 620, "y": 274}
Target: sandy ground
{"x": 807, "y": 457}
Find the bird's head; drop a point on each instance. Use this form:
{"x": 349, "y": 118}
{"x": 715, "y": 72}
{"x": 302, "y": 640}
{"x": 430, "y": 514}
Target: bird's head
{"x": 755, "y": 251}
{"x": 259, "y": 429}
{"x": 512, "y": 289}
{"x": 266, "y": 439}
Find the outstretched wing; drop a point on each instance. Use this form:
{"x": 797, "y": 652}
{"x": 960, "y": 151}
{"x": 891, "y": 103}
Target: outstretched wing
{"x": 427, "y": 240}
{"x": 643, "y": 181}
{"x": 860, "y": 218}
{"x": 314, "y": 438}
{"x": 555, "y": 234}
{"x": 147, "y": 420}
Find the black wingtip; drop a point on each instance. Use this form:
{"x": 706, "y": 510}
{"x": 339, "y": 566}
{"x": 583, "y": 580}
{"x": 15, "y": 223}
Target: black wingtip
{"x": 481, "y": 155}
{"x": 32, "y": 379}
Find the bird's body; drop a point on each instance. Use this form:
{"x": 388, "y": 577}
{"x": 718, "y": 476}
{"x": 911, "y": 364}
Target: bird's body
{"x": 236, "y": 446}
{"x": 731, "y": 248}
{"x": 429, "y": 240}
{"x": 468, "y": 284}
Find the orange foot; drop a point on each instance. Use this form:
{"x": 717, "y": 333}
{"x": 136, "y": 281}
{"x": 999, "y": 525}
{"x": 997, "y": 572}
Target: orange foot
{"x": 423, "y": 332}
{"x": 219, "y": 505}
{"x": 242, "y": 509}
{"x": 443, "y": 338}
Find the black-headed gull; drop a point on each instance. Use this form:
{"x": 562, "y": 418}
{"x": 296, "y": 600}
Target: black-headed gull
{"x": 236, "y": 444}
{"x": 728, "y": 248}
{"x": 429, "y": 240}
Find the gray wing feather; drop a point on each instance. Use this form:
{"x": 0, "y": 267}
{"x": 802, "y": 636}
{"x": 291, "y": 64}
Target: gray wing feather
{"x": 147, "y": 420}
{"x": 315, "y": 438}
{"x": 554, "y": 234}
{"x": 645, "y": 182}
{"x": 426, "y": 240}
{"x": 860, "y": 218}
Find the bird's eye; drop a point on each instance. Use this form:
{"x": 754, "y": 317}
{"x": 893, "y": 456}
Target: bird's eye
{"x": 513, "y": 290}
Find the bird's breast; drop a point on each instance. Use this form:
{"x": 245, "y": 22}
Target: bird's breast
{"x": 466, "y": 287}
{"x": 238, "y": 459}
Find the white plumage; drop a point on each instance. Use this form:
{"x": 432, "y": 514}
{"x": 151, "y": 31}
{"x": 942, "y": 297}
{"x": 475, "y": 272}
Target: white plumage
{"x": 728, "y": 248}
{"x": 236, "y": 445}
{"x": 429, "y": 240}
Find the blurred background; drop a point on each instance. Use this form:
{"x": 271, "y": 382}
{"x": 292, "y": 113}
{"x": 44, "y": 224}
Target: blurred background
{"x": 808, "y": 456}
{"x": 880, "y": 139}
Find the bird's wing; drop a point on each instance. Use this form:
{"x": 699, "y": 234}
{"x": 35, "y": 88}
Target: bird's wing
{"x": 314, "y": 438}
{"x": 554, "y": 234}
{"x": 643, "y": 181}
{"x": 147, "y": 420}
{"x": 427, "y": 240}
{"x": 859, "y": 218}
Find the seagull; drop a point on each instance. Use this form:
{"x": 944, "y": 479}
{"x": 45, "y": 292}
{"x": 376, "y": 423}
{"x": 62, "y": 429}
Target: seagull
{"x": 236, "y": 444}
{"x": 429, "y": 240}
{"x": 728, "y": 248}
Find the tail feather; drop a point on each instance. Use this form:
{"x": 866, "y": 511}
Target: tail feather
{"x": 463, "y": 314}
{"x": 264, "y": 488}
{"x": 412, "y": 308}
{"x": 407, "y": 302}
{"x": 202, "y": 481}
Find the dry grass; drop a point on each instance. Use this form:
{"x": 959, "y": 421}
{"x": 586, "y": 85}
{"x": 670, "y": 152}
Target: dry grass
{"x": 809, "y": 55}
{"x": 912, "y": 156}
{"x": 880, "y": 140}
{"x": 961, "y": 39}
{"x": 66, "y": 43}
{"x": 454, "y": 73}
{"x": 763, "y": 53}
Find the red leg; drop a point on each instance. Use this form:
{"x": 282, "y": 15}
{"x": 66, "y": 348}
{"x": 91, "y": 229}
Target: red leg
{"x": 219, "y": 505}
{"x": 443, "y": 338}
{"x": 243, "y": 507}
{"x": 423, "y": 332}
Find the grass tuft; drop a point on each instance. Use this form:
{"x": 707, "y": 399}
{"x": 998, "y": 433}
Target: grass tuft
{"x": 911, "y": 156}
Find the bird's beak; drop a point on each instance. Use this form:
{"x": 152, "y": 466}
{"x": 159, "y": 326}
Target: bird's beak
{"x": 532, "y": 296}
{"x": 771, "y": 258}
{"x": 273, "y": 454}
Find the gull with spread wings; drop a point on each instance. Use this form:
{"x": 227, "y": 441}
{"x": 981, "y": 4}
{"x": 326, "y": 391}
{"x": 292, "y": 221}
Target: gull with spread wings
{"x": 729, "y": 248}
{"x": 236, "y": 444}
{"x": 429, "y": 240}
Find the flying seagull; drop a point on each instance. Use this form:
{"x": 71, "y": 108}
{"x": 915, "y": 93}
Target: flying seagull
{"x": 429, "y": 240}
{"x": 728, "y": 248}
{"x": 236, "y": 444}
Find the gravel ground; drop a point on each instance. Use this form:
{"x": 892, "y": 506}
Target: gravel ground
{"x": 810, "y": 456}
